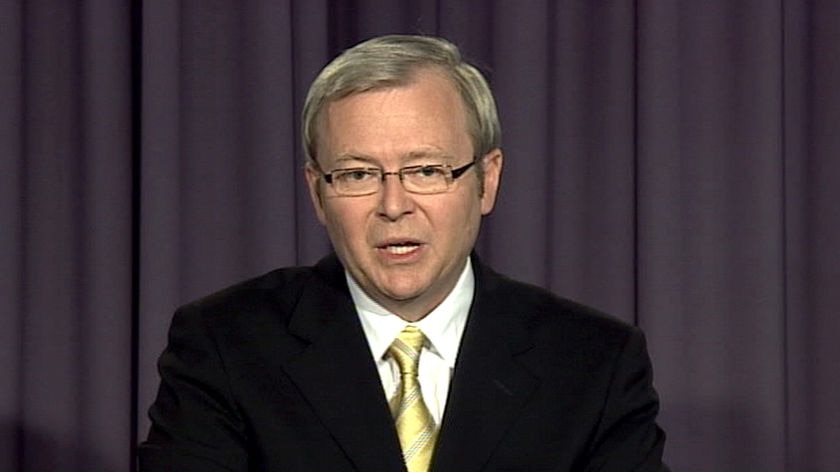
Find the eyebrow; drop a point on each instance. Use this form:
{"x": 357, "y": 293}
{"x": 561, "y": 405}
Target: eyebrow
{"x": 409, "y": 156}
{"x": 427, "y": 154}
{"x": 355, "y": 157}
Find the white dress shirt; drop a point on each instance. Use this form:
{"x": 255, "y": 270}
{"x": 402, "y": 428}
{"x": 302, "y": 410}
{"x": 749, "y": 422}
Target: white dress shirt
{"x": 443, "y": 328}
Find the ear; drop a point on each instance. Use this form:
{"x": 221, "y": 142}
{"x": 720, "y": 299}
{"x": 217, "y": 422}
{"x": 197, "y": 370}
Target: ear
{"x": 313, "y": 181}
{"x": 492, "y": 178}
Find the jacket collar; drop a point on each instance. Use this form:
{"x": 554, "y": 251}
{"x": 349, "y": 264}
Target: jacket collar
{"x": 337, "y": 375}
{"x": 490, "y": 386}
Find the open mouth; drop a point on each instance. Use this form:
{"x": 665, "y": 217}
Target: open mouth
{"x": 400, "y": 248}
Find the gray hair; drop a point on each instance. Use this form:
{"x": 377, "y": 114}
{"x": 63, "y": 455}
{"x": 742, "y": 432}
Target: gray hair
{"x": 392, "y": 61}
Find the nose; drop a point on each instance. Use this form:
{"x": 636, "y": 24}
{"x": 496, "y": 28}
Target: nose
{"x": 394, "y": 200}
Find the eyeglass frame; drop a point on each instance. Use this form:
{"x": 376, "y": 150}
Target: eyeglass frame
{"x": 454, "y": 174}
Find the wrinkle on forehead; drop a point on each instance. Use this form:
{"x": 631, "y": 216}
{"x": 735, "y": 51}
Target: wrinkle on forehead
{"x": 381, "y": 100}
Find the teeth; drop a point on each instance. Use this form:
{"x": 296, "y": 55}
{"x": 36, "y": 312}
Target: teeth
{"x": 401, "y": 248}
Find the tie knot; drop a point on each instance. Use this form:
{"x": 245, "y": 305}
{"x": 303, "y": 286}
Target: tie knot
{"x": 406, "y": 349}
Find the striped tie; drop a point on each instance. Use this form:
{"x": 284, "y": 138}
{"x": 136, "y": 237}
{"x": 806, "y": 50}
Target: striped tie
{"x": 415, "y": 425}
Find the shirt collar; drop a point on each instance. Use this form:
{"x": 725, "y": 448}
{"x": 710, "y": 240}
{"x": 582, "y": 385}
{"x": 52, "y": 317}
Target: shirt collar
{"x": 443, "y": 326}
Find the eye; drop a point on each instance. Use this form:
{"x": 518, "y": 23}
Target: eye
{"x": 355, "y": 175}
{"x": 431, "y": 171}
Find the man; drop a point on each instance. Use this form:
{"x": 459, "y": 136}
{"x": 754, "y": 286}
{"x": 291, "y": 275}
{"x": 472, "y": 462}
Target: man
{"x": 401, "y": 351}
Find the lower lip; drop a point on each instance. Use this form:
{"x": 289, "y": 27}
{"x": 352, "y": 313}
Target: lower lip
{"x": 409, "y": 256}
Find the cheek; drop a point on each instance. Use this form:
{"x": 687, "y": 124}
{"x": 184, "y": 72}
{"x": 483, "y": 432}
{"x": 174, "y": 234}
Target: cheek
{"x": 346, "y": 227}
{"x": 460, "y": 222}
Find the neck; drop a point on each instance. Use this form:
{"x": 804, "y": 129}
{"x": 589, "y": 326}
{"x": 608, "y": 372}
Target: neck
{"x": 408, "y": 310}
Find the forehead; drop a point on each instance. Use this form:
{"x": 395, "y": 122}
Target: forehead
{"x": 425, "y": 115}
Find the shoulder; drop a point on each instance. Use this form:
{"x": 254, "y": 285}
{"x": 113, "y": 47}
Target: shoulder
{"x": 273, "y": 290}
{"x": 585, "y": 335}
{"x": 536, "y": 305}
{"x": 269, "y": 298}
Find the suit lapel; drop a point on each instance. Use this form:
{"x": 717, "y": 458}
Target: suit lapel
{"x": 489, "y": 387}
{"x": 337, "y": 375}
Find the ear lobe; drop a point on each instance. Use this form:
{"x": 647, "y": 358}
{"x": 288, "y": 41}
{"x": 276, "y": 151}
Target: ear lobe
{"x": 493, "y": 161}
{"x": 313, "y": 181}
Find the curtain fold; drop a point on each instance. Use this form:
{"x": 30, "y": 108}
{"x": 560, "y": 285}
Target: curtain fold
{"x": 67, "y": 332}
{"x": 812, "y": 168}
{"x": 711, "y": 226}
{"x": 672, "y": 163}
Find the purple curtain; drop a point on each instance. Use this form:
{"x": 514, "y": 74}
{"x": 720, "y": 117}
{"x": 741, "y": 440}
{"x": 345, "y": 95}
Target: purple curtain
{"x": 673, "y": 163}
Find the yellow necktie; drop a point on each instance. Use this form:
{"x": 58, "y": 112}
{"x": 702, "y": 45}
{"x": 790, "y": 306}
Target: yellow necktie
{"x": 415, "y": 425}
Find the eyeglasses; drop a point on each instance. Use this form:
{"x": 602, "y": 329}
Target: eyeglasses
{"x": 422, "y": 179}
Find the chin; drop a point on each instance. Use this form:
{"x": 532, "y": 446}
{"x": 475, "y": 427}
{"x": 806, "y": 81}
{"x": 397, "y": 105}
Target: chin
{"x": 403, "y": 291}
{"x": 402, "y": 294}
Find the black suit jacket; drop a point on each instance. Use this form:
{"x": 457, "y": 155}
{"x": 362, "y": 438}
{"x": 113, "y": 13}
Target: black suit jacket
{"x": 275, "y": 375}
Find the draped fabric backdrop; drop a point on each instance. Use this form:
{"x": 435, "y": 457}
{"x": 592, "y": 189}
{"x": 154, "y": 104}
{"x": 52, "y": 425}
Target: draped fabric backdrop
{"x": 675, "y": 163}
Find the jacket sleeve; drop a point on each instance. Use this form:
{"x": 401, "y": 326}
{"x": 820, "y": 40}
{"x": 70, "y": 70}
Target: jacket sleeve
{"x": 195, "y": 424}
{"x": 628, "y": 438}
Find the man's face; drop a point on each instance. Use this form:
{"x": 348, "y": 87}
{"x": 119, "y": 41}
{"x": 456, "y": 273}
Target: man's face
{"x": 405, "y": 250}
